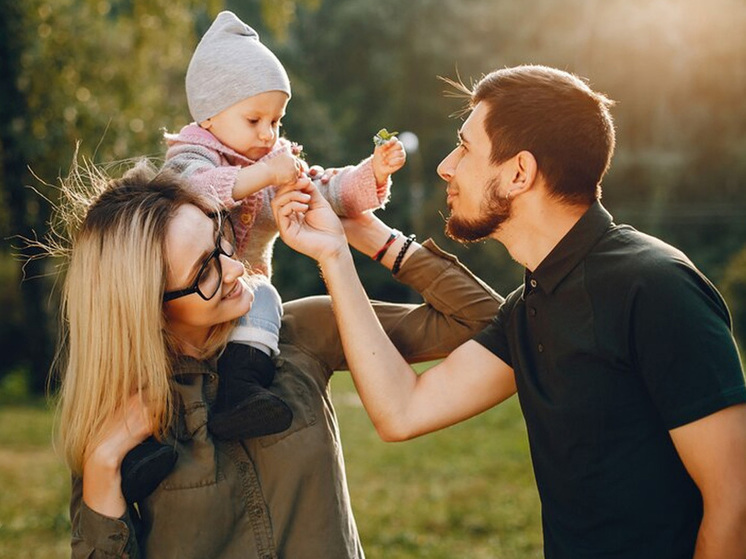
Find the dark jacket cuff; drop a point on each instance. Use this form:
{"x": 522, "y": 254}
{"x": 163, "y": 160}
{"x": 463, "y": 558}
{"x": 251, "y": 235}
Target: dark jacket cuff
{"x": 106, "y": 534}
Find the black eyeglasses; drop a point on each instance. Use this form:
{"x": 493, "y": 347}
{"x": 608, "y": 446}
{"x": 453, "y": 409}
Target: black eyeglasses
{"x": 210, "y": 275}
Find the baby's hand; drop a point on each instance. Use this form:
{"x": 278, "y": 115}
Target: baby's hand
{"x": 387, "y": 159}
{"x": 284, "y": 168}
{"x": 318, "y": 173}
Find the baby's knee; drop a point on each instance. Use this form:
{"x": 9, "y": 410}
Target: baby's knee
{"x": 267, "y": 306}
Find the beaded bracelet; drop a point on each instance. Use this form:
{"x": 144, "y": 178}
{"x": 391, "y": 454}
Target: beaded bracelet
{"x": 402, "y": 252}
{"x": 378, "y": 256}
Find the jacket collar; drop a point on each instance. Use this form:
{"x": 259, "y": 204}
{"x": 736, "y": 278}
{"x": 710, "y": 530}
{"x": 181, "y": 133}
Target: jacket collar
{"x": 187, "y": 365}
{"x": 194, "y": 134}
{"x": 570, "y": 251}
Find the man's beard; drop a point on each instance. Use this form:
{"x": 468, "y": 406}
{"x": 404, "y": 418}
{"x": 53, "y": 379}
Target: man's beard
{"x": 495, "y": 211}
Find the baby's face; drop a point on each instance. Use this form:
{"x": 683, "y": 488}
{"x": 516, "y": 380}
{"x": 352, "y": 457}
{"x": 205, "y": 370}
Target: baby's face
{"x": 250, "y": 127}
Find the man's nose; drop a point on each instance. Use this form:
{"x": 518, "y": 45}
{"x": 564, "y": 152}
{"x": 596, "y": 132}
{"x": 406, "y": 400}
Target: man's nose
{"x": 446, "y": 167}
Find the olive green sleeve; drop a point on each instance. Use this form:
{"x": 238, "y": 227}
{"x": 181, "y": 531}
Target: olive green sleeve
{"x": 95, "y": 536}
{"x": 456, "y": 306}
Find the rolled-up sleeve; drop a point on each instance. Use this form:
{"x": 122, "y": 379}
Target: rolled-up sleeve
{"x": 97, "y": 536}
{"x": 354, "y": 190}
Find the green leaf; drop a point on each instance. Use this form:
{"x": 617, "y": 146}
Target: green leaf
{"x": 383, "y": 136}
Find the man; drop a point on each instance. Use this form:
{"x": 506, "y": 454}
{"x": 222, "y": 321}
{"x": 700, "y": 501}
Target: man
{"x": 619, "y": 349}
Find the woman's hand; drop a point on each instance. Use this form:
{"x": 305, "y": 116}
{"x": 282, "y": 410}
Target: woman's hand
{"x": 123, "y": 431}
{"x": 366, "y": 232}
{"x": 307, "y": 222}
{"x": 102, "y": 478}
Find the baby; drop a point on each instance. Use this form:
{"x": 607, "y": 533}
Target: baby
{"x": 237, "y": 92}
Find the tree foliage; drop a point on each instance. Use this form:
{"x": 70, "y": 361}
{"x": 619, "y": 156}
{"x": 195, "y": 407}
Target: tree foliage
{"x": 109, "y": 74}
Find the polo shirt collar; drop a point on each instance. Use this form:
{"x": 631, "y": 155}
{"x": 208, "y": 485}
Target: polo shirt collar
{"x": 571, "y": 249}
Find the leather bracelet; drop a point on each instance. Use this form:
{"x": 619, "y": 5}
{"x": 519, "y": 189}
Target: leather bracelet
{"x": 402, "y": 252}
{"x": 378, "y": 256}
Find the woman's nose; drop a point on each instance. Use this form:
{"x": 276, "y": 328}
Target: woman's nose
{"x": 232, "y": 268}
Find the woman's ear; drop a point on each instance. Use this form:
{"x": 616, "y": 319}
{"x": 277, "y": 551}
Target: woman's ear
{"x": 206, "y": 124}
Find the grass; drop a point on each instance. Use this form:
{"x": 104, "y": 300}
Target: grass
{"x": 34, "y": 521}
{"x": 467, "y": 491}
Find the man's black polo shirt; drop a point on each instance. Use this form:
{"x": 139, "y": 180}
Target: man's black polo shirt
{"x": 614, "y": 339}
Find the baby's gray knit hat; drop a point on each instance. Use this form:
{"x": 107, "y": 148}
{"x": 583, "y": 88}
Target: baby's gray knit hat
{"x": 228, "y": 66}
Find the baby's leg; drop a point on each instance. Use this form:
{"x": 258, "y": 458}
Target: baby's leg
{"x": 245, "y": 408}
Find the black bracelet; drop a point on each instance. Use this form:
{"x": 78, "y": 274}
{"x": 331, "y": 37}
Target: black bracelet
{"x": 402, "y": 252}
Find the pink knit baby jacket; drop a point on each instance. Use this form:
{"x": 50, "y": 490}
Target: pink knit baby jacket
{"x": 211, "y": 168}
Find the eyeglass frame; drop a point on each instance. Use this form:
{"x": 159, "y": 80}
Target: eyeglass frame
{"x": 215, "y": 254}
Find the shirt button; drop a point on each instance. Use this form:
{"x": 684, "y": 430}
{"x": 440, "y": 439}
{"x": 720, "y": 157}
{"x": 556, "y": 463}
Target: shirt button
{"x": 532, "y": 283}
{"x": 541, "y": 348}
{"x": 532, "y": 311}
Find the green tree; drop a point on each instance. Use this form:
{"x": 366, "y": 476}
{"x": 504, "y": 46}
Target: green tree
{"x": 109, "y": 73}
{"x": 97, "y": 73}
{"x": 106, "y": 74}
{"x": 26, "y": 337}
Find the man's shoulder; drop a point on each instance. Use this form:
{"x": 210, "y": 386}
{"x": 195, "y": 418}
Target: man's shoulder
{"x": 629, "y": 261}
{"x": 629, "y": 252}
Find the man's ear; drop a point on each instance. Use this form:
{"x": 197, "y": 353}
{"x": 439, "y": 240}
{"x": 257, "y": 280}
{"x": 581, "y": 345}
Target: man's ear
{"x": 524, "y": 172}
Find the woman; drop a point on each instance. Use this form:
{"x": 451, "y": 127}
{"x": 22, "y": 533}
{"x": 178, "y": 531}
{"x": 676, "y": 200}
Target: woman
{"x": 137, "y": 366}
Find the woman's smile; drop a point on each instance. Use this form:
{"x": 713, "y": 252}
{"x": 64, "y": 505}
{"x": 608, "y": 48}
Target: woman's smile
{"x": 235, "y": 291}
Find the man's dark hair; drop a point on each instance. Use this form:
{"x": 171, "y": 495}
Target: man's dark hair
{"x": 554, "y": 115}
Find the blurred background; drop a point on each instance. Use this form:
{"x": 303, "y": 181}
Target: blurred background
{"x": 109, "y": 74}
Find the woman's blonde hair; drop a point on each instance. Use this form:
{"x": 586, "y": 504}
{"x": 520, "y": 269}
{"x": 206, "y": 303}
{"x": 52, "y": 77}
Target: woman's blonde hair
{"x": 115, "y": 336}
